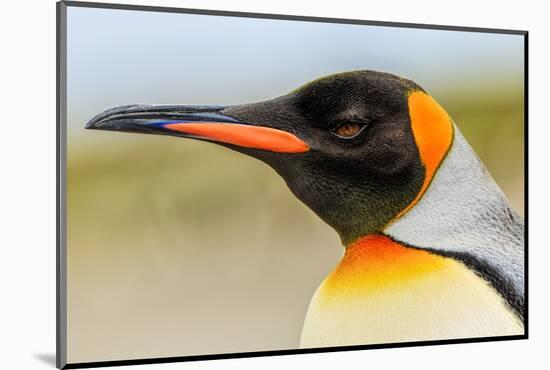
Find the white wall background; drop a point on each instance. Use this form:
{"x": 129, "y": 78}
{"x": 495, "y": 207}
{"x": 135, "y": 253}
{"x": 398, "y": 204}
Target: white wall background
{"x": 27, "y": 183}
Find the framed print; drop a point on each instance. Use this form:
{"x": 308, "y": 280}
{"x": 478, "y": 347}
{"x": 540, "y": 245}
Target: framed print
{"x": 235, "y": 184}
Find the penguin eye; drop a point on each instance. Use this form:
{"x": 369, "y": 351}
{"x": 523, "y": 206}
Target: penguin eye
{"x": 348, "y": 130}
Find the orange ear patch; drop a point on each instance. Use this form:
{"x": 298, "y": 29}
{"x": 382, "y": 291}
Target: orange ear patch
{"x": 433, "y": 132}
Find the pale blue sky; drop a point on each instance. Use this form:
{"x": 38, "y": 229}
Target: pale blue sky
{"x": 120, "y": 57}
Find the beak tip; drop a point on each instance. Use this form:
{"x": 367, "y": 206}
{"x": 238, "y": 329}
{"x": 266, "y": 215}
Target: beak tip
{"x": 94, "y": 123}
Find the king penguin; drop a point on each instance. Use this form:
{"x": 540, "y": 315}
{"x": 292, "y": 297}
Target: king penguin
{"x": 432, "y": 248}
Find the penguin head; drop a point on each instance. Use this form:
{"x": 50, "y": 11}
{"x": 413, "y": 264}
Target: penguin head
{"x": 358, "y": 148}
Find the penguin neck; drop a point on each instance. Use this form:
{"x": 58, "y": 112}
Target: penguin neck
{"x": 375, "y": 260}
{"x": 464, "y": 215}
{"x": 383, "y": 291}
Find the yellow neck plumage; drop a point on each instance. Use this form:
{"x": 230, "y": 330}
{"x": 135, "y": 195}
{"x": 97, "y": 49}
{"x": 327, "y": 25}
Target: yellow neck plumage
{"x": 384, "y": 292}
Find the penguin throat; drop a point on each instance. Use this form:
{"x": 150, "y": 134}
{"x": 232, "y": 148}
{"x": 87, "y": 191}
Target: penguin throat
{"x": 384, "y": 292}
{"x": 376, "y": 260}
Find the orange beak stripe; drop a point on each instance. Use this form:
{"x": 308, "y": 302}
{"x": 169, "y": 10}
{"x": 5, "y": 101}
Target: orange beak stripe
{"x": 255, "y": 137}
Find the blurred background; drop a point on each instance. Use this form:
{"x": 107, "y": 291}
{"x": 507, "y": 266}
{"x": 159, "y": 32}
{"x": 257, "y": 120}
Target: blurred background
{"x": 178, "y": 247}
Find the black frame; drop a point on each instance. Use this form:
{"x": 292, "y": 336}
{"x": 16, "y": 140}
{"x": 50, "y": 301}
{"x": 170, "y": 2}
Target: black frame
{"x": 61, "y": 99}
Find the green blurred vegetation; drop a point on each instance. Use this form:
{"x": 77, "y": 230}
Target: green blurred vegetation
{"x": 178, "y": 247}
{"x": 492, "y": 120}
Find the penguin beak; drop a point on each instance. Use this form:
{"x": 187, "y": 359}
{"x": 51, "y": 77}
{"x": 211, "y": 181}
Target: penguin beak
{"x": 197, "y": 122}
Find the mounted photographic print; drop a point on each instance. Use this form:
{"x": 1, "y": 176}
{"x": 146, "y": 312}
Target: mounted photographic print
{"x": 236, "y": 184}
